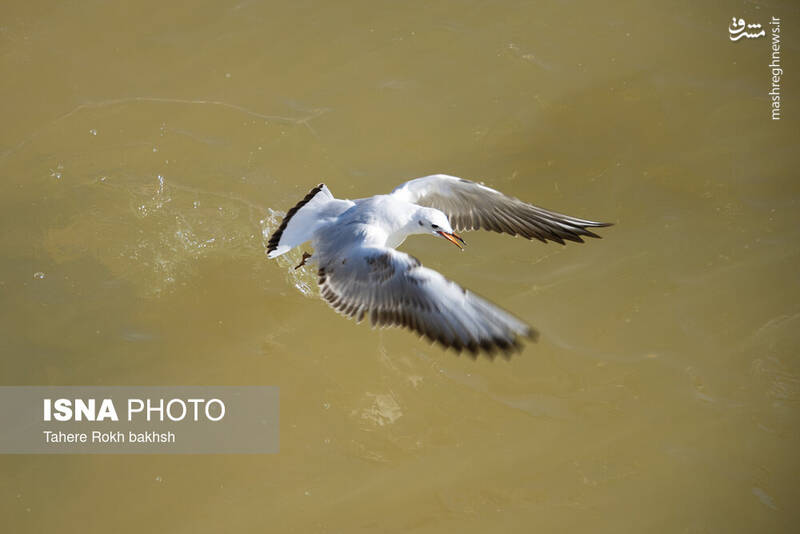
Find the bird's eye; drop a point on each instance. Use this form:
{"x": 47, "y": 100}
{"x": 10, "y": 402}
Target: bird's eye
{"x": 420, "y": 223}
{"x": 435, "y": 227}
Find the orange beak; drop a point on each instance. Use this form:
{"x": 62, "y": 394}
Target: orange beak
{"x": 453, "y": 238}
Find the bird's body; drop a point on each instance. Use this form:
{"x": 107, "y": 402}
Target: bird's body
{"x": 361, "y": 273}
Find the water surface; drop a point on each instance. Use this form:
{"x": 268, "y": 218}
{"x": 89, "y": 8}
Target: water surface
{"x": 148, "y": 150}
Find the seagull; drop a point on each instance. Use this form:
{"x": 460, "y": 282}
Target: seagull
{"x": 362, "y": 275}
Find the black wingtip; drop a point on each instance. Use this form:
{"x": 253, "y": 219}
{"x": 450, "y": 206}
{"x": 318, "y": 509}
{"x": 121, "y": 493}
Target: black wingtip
{"x": 589, "y": 233}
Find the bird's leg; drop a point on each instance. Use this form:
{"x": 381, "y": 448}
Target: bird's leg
{"x": 306, "y": 255}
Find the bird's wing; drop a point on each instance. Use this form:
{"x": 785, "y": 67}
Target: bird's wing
{"x": 471, "y": 206}
{"x": 394, "y": 289}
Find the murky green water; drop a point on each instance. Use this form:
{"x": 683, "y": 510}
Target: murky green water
{"x": 145, "y": 146}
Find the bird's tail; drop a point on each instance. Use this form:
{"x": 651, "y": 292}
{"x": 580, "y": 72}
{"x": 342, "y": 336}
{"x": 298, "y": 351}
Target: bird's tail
{"x": 299, "y": 223}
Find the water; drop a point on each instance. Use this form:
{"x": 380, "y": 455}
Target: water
{"x": 147, "y": 152}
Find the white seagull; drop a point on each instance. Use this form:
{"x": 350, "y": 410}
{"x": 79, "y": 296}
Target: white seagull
{"x": 361, "y": 274}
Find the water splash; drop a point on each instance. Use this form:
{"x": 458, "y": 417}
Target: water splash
{"x": 153, "y": 234}
{"x": 304, "y": 278}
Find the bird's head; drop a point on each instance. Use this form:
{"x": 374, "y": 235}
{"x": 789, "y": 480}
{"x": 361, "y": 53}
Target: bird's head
{"x": 433, "y": 221}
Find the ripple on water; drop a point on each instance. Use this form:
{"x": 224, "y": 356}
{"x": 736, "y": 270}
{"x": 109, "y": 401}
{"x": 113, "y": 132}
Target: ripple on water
{"x": 383, "y": 409}
{"x": 765, "y": 499}
{"x": 773, "y": 345}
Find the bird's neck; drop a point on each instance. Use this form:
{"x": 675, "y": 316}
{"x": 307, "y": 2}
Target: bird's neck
{"x": 395, "y": 239}
{"x": 404, "y": 225}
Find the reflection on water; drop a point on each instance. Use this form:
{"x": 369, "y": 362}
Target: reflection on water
{"x": 147, "y": 155}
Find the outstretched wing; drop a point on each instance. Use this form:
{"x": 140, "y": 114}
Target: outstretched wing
{"x": 394, "y": 289}
{"x": 471, "y": 206}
